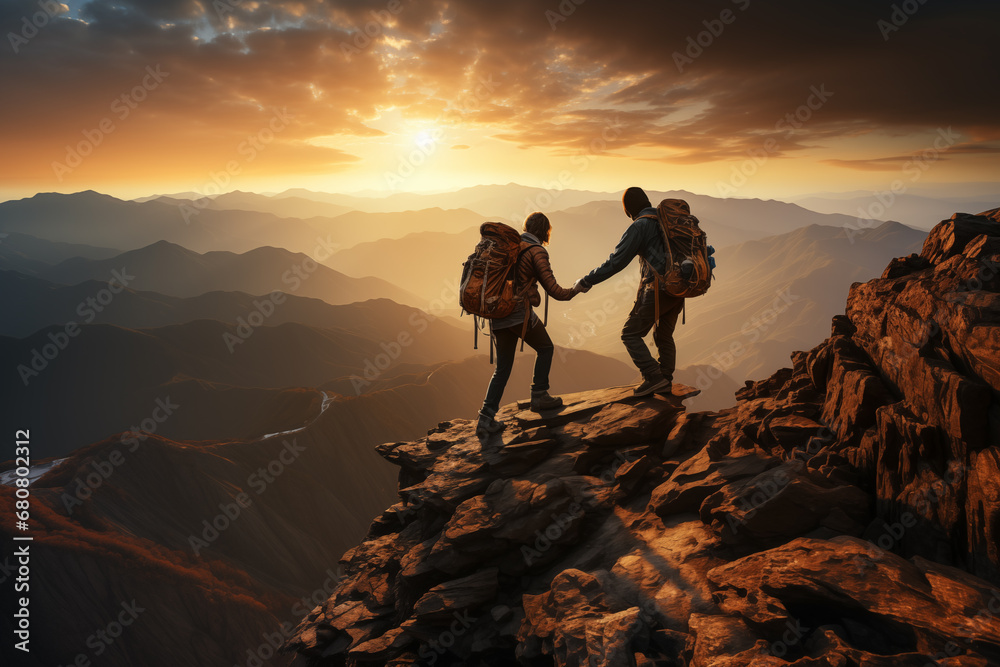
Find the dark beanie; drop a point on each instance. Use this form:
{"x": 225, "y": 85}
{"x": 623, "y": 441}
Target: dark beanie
{"x": 634, "y": 200}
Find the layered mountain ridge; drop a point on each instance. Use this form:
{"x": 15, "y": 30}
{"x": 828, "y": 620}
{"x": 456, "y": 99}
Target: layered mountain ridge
{"x": 845, "y": 512}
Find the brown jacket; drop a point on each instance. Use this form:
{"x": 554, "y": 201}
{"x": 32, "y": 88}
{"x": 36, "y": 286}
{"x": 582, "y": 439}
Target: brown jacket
{"x": 534, "y": 266}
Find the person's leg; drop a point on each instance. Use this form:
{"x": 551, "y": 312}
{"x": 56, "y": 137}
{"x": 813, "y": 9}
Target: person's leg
{"x": 538, "y": 339}
{"x": 670, "y": 308}
{"x": 637, "y": 325}
{"x": 506, "y": 344}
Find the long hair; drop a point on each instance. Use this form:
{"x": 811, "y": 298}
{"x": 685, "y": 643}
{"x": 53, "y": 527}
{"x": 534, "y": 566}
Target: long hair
{"x": 538, "y": 225}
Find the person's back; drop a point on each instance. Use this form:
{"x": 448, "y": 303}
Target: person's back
{"x": 533, "y": 268}
{"x": 653, "y": 306}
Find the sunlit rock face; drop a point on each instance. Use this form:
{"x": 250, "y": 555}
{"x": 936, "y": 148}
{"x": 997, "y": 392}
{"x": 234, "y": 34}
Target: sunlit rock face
{"x": 845, "y": 512}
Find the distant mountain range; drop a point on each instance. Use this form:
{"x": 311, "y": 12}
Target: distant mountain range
{"x": 33, "y": 303}
{"x": 429, "y": 262}
{"x": 173, "y": 270}
{"x": 231, "y": 380}
{"x": 284, "y": 207}
{"x": 493, "y": 202}
{"x": 917, "y": 211}
{"x": 810, "y": 264}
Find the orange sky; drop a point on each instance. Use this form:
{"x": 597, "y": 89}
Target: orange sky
{"x": 728, "y": 97}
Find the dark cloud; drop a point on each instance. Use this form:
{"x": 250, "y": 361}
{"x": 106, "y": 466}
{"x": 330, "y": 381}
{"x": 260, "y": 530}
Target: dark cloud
{"x": 602, "y": 78}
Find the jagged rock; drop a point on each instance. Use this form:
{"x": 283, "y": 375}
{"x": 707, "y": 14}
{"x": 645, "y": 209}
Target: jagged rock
{"x": 698, "y": 477}
{"x": 845, "y": 580}
{"x": 982, "y": 506}
{"x": 612, "y": 639}
{"x": 783, "y": 502}
{"x": 620, "y": 424}
{"x": 556, "y": 622}
{"x": 619, "y": 530}
{"x": 631, "y": 474}
{"x": 717, "y": 637}
{"x": 445, "y": 600}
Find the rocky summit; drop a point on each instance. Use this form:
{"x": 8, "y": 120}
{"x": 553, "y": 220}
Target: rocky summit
{"x": 845, "y": 512}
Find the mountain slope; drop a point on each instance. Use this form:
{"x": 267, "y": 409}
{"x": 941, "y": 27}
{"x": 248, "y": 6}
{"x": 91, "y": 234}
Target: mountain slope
{"x": 488, "y": 201}
{"x": 909, "y": 209}
{"x": 228, "y": 380}
{"x": 176, "y": 271}
{"x": 33, "y": 303}
{"x": 307, "y": 495}
{"x": 97, "y": 219}
{"x": 286, "y": 207}
{"x": 28, "y": 254}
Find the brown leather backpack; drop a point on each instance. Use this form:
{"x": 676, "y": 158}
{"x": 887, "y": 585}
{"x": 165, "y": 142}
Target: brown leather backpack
{"x": 684, "y": 241}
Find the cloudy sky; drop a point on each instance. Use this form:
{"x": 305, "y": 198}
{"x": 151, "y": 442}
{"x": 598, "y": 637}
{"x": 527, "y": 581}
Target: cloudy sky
{"x": 738, "y": 97}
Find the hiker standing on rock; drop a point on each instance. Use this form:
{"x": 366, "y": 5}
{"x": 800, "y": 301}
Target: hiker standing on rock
{"x": 532, "y": 268}
{"x": 644, "y": 238}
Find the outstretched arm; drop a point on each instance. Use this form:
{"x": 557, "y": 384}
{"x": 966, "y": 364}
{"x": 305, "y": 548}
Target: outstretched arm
{"x": 626, "y": 250}
{"x": 543, "y": 271}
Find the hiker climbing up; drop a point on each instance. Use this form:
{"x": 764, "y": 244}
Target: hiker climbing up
{"x": 500, "y": 285}
{"x": 676, "y": 263}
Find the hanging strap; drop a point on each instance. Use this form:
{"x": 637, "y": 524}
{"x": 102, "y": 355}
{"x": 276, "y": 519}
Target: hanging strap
{"x": 656, "y": 306}
{"x": 475, "y": 332}
{"x": 684, "y": 308}
{"x": 491, "y": 343}
{"x": 546, "y": 320}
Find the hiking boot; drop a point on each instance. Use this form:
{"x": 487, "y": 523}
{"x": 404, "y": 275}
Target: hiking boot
{"x": 488, "y": 425}
{"x": 667, "y": 390}
{"x": 541, "y": 400}
{"x": 651, "y": 386}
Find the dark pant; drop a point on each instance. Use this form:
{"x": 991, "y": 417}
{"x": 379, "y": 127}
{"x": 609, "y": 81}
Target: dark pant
{"x": 506, "y": 344}
{"x": 638, "y": 324}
